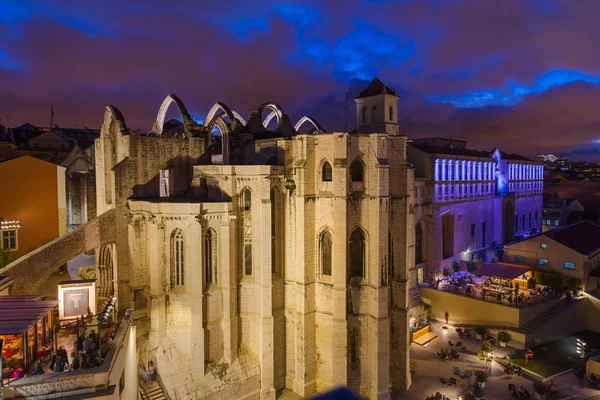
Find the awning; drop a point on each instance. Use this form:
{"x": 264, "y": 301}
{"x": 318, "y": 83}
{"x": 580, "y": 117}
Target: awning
{"x": 502, "y": 270}
{"x": 18, "y": 313}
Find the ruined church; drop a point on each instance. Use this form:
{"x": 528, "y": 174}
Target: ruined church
{"x": 260, "y": 255}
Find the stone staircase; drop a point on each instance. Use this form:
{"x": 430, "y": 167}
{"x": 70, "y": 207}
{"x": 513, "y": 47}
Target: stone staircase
{"x": 414, "y": 297}
{"x": 152, "y": 391}
{"x": 548, "y": 315}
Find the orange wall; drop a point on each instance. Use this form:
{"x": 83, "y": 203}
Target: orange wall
{"x": 29, "y": 194}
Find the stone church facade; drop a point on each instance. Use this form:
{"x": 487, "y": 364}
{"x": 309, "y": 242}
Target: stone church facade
{"x": 264, "y": 259}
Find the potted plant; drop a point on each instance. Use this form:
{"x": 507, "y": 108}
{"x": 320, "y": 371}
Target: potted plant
{"x": 481, "y": 377}
{"x": 479, "y": 332}
{"x": 487, "y": 347}
{"x": 540, "y": 389}
{"x": 503, "y": 338}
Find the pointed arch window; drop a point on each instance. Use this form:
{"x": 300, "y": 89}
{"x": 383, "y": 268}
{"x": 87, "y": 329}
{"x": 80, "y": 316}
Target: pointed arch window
{"x": 325, "y": 253}
{"x": 357, "y": 254}
{"x": 210, "y": 252}
{"x": 177, "y": 260}
{"x": 357, "y": 171}
{"x": 374, "y": 112}
{"x": 327, "y": 173}
{"x": 418, "y": 244}
{"x": 246, "y": 206}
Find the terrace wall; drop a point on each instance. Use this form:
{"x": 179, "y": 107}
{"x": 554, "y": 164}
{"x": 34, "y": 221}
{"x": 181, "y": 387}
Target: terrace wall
{"x": 472, "y": 311}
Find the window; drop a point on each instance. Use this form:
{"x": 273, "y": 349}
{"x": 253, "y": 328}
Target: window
{"x": 177, "y": 271}
{"x": 325, "y": 253}
{"x": 357, "y": 254}
{"x": 543, "y": 261}
{"x": 391, "y": 113}
{"x": 246, "y": 199}
{"x": 472, "y": 231}
{"x": 364, "y": 114}
{"x": 418, "y": 244}
{"x": 543, "y": 245}
{"x": 9, "y": 239}
{"x": 164, "y": 182}
{"x": 530, "y": 220}
{"x": 210, "y": 251}
{"x": 357, "y": 171}
{"x": 327, "y": 173}
{"x": 374, "y": 112}
{"x": 569, "y": 265}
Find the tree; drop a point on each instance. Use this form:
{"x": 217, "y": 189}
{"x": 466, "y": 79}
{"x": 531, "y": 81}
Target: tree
{"x": 6, "y": 258}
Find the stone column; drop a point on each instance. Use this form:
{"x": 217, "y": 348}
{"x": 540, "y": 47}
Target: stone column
{"x": 267, "y": 373}
{"x": 155, "y": 243}
{"x": 436, "y": 170}
{"x": 195, "y": 287}
{"x": 464, "y": 170}
{"x": 227, "y": 278}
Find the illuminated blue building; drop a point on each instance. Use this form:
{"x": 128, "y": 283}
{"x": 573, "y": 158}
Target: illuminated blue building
{"x": 469, "y": 202}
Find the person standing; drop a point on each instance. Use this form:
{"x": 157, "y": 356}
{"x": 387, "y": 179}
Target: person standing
{"x": 446, "y": 315}
{"x": 152, "y": 371}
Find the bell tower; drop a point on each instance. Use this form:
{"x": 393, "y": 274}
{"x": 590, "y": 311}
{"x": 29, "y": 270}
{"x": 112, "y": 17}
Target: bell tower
{"x": 377, "y": 109}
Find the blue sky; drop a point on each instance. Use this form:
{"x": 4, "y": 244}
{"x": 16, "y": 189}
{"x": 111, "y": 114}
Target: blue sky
{"x": 519, "y": 74}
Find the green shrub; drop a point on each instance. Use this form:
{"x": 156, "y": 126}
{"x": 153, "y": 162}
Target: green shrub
{"x": 487, "y": 346}
{"x": 6, "y": 258}
{"x": 504, "y": 337}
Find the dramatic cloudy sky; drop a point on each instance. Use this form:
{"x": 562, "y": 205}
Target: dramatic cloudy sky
{"x": 523, "y": 75}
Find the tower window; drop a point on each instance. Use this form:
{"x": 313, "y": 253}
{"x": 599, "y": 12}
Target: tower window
{"x": 327, "y": 173}
{"x": 364, "y": 114}
{"x": 374, "y": 112}
{"x": 177, "y": 271}
{"x": 325, "y": 253}
{"x": 391, "y": 113}
{"x": 210, "y": 251}
{"x": 357, "y": 254}
{"x": 357, "y": 171}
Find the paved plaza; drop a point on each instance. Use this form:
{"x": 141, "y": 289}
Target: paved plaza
{"x": 426, "y": 378}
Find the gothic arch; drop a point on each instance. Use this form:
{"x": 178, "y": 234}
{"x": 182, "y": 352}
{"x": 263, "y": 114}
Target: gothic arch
{"x": 323, "y": 166}
{"x": 226, "y": 110}
{"x": 325, "y": 252}
{"x": 213, "y": 119}
{"x": 110, "y": 152}
{"x": 177, "y": 265}
{"x": 162, "y": 111}
{"x": 310, "y": 120}
{"x": 357, "y": 254}
{"x": 276, "y": 111}
{"x": 358, "y": 170}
